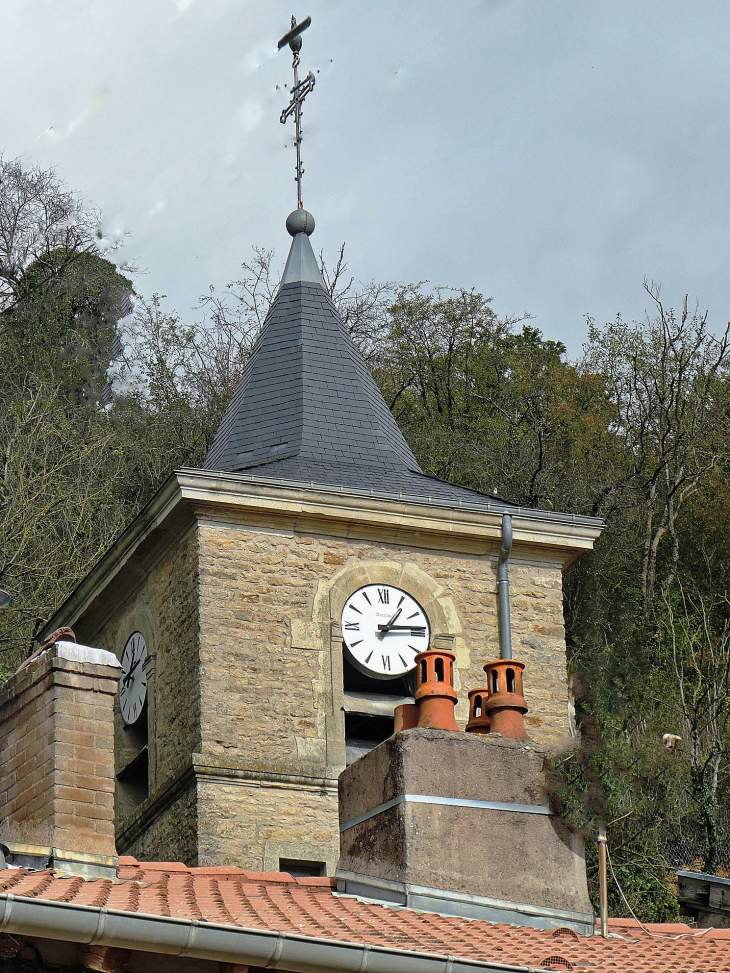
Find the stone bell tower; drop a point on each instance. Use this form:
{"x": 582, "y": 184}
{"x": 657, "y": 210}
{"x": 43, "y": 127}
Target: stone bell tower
{"x": 275, "y": 601}
{"x": 236, "y": 577}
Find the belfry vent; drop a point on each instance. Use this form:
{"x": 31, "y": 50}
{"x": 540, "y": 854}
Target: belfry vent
{"x": 307, "y": 408}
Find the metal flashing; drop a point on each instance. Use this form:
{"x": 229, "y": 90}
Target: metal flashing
{"x": 301, "y": 264}
{"x": 445, "y": 802}
{"x": 40, "y": 857}
{"x": 447, "y": 903}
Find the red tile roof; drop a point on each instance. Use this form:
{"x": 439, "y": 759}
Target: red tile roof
{"x": 311, "y": 907}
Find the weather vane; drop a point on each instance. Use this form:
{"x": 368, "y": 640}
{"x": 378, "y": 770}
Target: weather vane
{"x": 298, "y": 93}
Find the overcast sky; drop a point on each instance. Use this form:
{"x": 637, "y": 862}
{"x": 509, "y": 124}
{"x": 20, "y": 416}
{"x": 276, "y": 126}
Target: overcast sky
{"x": 551, "y": 153}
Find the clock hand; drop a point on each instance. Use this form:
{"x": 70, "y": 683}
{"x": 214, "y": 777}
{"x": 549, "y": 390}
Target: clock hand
{"x": 404, "y": 628}
{"x": 131, "y": 663}
{"x": 128, "y": 677}
{"x": 384, "y": 628}
{"x": 413, "y": 629}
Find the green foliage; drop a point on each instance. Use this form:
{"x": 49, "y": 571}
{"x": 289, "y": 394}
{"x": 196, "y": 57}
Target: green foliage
{"x": 60, "y": 304}
{"x": 97, "y": 406}
{"x": 64, "y": 325}
{"x": 494, "y": 409}
{"x": 57, "y": 504}
{"x": 633, "y": 432}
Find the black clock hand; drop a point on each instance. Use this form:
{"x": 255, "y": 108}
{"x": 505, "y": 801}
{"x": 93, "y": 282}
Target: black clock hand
{"x": 404, "y": 628}
{"x": 131, "y": 665}
{"x": 128, "y": 677}
{"x": 413, "y": 629}
{"x": 385, "y": 628}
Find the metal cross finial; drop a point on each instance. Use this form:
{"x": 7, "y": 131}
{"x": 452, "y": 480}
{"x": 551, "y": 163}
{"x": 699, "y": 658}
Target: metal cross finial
{"x": 298, "y": 93}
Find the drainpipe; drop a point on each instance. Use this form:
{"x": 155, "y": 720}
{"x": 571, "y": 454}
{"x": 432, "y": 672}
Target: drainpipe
{"x": 505, "y": 626}
{"x": 602, "y": 878}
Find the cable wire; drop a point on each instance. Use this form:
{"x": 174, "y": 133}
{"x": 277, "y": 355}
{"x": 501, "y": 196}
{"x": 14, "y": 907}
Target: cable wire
{"x": 658, "y": 935}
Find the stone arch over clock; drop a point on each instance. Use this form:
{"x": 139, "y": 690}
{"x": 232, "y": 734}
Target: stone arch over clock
{"x": 381, "y": 613}
{"x": 134, "y": 724}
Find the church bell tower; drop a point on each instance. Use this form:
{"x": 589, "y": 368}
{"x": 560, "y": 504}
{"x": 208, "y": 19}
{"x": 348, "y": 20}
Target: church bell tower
{"x": 276, "y": 598}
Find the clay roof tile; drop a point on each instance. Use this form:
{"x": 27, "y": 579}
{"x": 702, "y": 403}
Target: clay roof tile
{"x": 280, "y": 903}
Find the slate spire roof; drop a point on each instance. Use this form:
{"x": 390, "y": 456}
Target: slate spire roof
{"x": 306, "y": 407}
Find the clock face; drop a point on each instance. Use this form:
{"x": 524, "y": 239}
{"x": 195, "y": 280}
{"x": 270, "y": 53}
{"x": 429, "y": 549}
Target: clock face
{"x": 383, "y": 629}
{"x": 133, "y": 681}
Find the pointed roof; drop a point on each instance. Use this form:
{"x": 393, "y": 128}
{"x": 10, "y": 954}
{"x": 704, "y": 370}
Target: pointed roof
{"x": 306, "y": 407}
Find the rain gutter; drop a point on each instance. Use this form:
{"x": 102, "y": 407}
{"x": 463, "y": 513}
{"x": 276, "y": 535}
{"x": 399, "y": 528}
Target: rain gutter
{"x": 69, "y": 922}
{"x": 478, "y": 506}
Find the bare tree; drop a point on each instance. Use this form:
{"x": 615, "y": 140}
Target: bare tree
{"x": 41, "y": 223}
{"x": 664, "y": 380}
{"x": 364, "y": 308}
{"x": 700, "y": 661}
{"x": 57, "y": 473}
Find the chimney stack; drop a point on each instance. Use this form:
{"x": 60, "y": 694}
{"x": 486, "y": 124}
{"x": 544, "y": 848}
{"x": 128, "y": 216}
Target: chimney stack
{"x": 57, "y": 760}
{"x": 459, "y": 823}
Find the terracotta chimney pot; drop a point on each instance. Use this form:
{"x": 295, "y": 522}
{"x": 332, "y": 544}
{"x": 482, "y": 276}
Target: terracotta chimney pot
{"x": 405, "y": 717}
{"x": 479, "y": 719}
{"x": 505, "y": 705}
{"x": 435, "y": 695}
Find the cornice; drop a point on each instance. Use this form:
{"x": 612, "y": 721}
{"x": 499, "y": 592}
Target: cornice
{"x": 307, "y": 503}
{"x": 188, "y": 494}
{"x": 201, "y": 768}
{"x": 163, "y": 510}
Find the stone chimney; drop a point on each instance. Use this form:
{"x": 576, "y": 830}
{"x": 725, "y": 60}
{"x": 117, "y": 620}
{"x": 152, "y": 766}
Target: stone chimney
{"x": 459, "y": 823}
{"x": 57, "y": 760}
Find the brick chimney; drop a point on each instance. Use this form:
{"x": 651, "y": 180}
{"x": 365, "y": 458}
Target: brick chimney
{"x": 459, "y": 823}
{"x": 57, "y": 760}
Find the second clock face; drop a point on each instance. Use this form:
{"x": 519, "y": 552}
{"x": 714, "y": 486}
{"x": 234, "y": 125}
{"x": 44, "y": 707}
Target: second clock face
{"x": 383, "y": 629}
{"x": 133, "y": 681}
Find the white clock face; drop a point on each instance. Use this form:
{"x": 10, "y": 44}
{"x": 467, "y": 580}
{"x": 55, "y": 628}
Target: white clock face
{"x": 133, "y": 681}
{"x": 383, "y": 629}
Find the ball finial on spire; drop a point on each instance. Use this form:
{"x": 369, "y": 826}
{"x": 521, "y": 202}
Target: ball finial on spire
{"x": 300, "y": 221}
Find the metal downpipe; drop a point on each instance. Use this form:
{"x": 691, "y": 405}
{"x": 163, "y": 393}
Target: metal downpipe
{"x": 505, "y": 624}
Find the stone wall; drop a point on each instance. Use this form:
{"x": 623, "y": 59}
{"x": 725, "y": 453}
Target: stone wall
{"x": 164, "y": 607}
{"x": 270, "y": 606}
{"x": 242, "y": 616}
{"x": 171, "y": 835}
{"x": 255, "y": 826}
